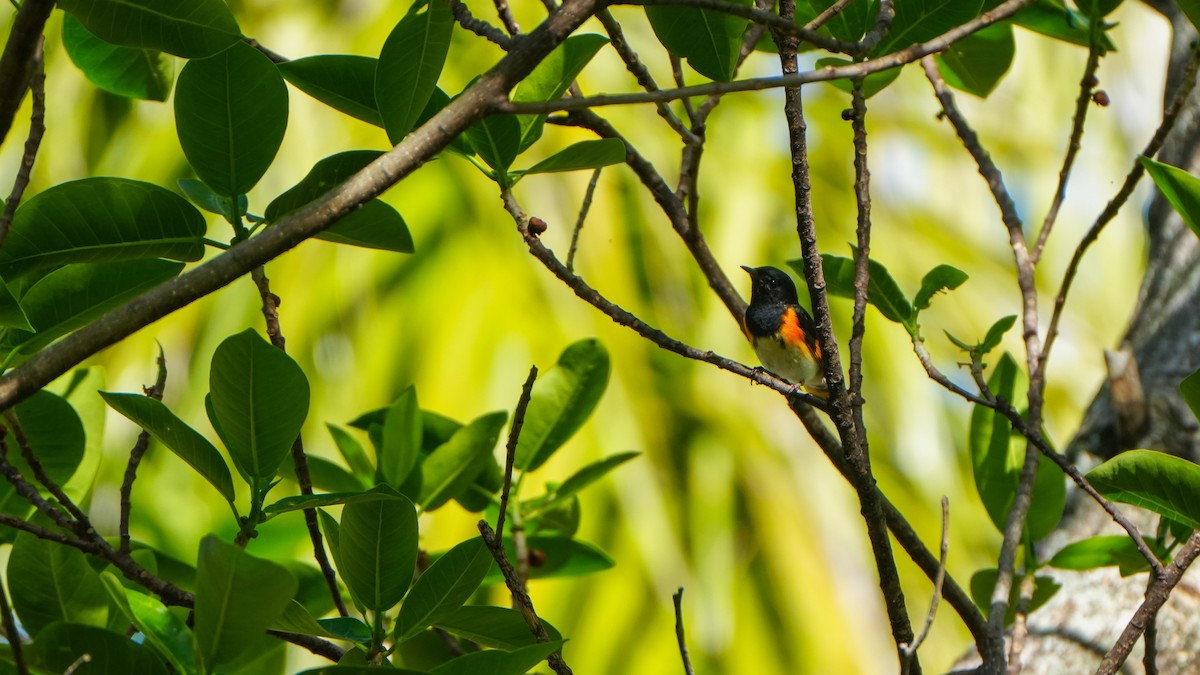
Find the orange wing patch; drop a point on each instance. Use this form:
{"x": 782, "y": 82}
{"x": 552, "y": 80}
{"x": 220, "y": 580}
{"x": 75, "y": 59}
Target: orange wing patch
{"x": 794, "y": 335}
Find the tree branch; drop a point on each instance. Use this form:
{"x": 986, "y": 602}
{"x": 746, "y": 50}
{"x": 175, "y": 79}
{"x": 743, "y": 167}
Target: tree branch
{"x": 37, "y": 129}
{"x": 17, "y": 63}
{"x": 136, "y": 453}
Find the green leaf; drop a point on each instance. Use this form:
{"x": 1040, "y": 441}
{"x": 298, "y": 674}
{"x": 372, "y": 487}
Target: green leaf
{"x": 920, "y": 20}
{"x": 940, "y": 278}
{"x": 259, "y": 400}
{"x": 708, "y": 39}
{"x": 1155, "y": 481}
{"x": 1190, "y": 390}
{"x": 495, "y": 627}
{"x": 443, "y": 588}
{"x": 497, "y": 141}
{"x": 56, "y": 434}
{"x": 996, "y": 333}
{"x": 50, "y": 582}
{"x": 11, "y": 314}
{"x": 582, "y": 155}
{"x": 238, "y": 597}
{"x": 124, "y": 71}
{"x": 378, "y": 550}
{"x": 872, "y": 84}
{"x": 204, "y": 197}
{"x": 983, "y": 583}
{"x": 325, "y": 474}
{"x": 375, "y": 224}
{"x": 496, "y": 662}
{"x": 1101, "y": 8}
{"x": 1191, "y": 9}
{"x": 179, "y": 438}
{"x": 61, "y": 645}
{"x": 882, "y": 290}
{"x": 977, "y": 63}
{"x": 193, "y": 29}
{"x": 1101, "y": 551}
{"x": 164, "y": 632}
{"x": 998, "y": 454}
{"x": 1180, "y": 188}
{"x": 401, "y": 446}
{"x": 562, "y": 400}
{"x": 346, "y": 628}
{"x": 1053, "y": 19}
{"x": 230, "y": 112}
{"x": 72, "y": 296}
{"x": 344, "y": 82}
{"x": 551, "y": 78}
{"x": 409, "y": 65}
{"x": 301, "y": 502}
{"x": 561, "y": 557}
{"x": 352, "y": 451}
{"x": 585, "y": 477}
{"x": 101, "y": 219}
{"x": 850, "y": 24}
{"x": 454, "y": 465}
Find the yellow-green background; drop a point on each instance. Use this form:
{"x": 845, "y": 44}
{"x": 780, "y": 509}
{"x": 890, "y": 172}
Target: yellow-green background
{"x": 730, "y": 499}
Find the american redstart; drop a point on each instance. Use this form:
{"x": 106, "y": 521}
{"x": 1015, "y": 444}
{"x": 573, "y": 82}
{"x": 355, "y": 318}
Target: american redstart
{"x": 783, "y": 333}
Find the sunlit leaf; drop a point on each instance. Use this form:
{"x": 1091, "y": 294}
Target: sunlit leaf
{"x": 592, "y": 154}
{"x": 401, "y": 444}
{"x": 454, "y": 465}
{"x": 410, "y": 63}
{"x": 940, "y": 278}
{"x": 443, "y": 588}
{"x": 550, "y": 79}
{"x": 977, "y": 63}
{"x": 563, "y": 399}
{"x": 1101, "y": 551}
{"x": 882, "y": 290}
{"x": 1155, "y": 481}
{"x": 983, "y": 583}
{"x": 710, "y": 40}
{"x": 1181, "y": 189}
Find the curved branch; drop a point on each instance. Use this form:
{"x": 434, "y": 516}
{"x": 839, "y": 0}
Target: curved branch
{"x": 17, "y": 62}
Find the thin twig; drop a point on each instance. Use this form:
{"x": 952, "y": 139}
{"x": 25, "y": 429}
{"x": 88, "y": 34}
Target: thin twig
{"x": 862, "y": 268}
{"x": 17, "y": 60}
{"x": 478, "y": 26}
{"x": 1156, "y": 596}
{"x": 82, "y": 524}
{"x": 11, "y": 634}
{"x": 136, "y": 453}
{"x": 830, "y": 12}
{"x": 1082, "y": 104}
{"x": 910, "y": 650}
{"x": 510, "y": 448}
{"x": 583, "y": 211}
{"x": 37, "y": 129}
{"x": 1150, "y": 639}
{"x": 883, "y": 23}
{"x": 270, "y": 311}
{"x": 520, "y": 596}
{"x": 683, "y": 650}
{"x": 772, "y": 21}
{"x": 828, "y": 73}
{"x": 1170, "y": 116}
{"x": 506, "y": 17}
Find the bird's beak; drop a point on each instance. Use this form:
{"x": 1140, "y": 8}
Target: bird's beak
{"x": 750, "y": 271}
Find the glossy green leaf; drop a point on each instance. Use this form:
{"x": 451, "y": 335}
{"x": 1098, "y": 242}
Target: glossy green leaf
{"x": 977, "y": 63}
{"x": 585, "y": 477}
{"x": 582, "y": 155}
{"x": 231, "y": 111}
{"x": 124, "y": 71}
{"x": 454, "y": 465}
{"x": 401, "y": 446}
{"x": 56, "y": 435}
{"x": 238, "y": 597}
{"x": 708, "y": 39}
{"x": 50, "y": 582}
{"x": 193, "y": 29}
{"x": 1054, "y": 19}
{"x": 1191, "y": 9}
{"x": 997, "y": 456}
{"x": 1190, "y": 390}
{"x": 940, "y": 278}
{"x": 1155, "y": 481}
{"x": 1180, "y": 188}
{"x": 11, "y": 314}
{"x": 352, "y": 451}
{"x": 872, "y": 84}
{"x": 1101, "y": 551}
{"x": 409, "y": 65}
{"x": 101, "y": 219}
{"x": 61, "y": 645}
{"x": 179, "y": 438}
{"x": 443, "y": 587}
{"x": 560, "y": 557}
{"x": 346, "y": 628}
{"x": 301, "y": 502}
{"x": 560, "y": 519}
{"x": 920, "y": 20}
{"x": 996, "y": 333}
{"x": 259, "y": 399}
{"x": 378, "y": 550}
{"x": 297, "y": 619}
{"x": 375, "y": 224}
{"x": 164, "y": 632}
{"x": 204, "y": 197}
{"x": 495, "y": 627}
{"x": 344, "y": 82}
{"x": 497, "y": 141}
{"x": 551, "y": 79}
{"x": 882, "y": 290}
{"x": 562, "y": 400}
{"x": 496, "y": 662}
{"x": 326, "y": 475}
{"x": 850, "y": 24}
{"x": 983, "y": 583}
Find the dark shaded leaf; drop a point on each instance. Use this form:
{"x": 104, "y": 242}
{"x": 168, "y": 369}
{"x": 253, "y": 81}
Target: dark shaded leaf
{"x": 409, "y": 65}
{"x": 344, "y": 82}
{"x": 61, "y": 645}
{"x": 977, "y": 63}
{"x": 443, "y": 588}
{"x": 940, "y": 278}
{"x": 193, "y": 29}
{"x": 124, "y": 71}
{"x": 377, "y": 545}
{"x": 495, "y": 627}
{"x": 708, "y": 39}
{"x": 50, "y": 582}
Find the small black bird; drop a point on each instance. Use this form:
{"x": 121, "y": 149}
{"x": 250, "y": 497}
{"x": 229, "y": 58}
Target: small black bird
{"x": 783, "y": 334}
